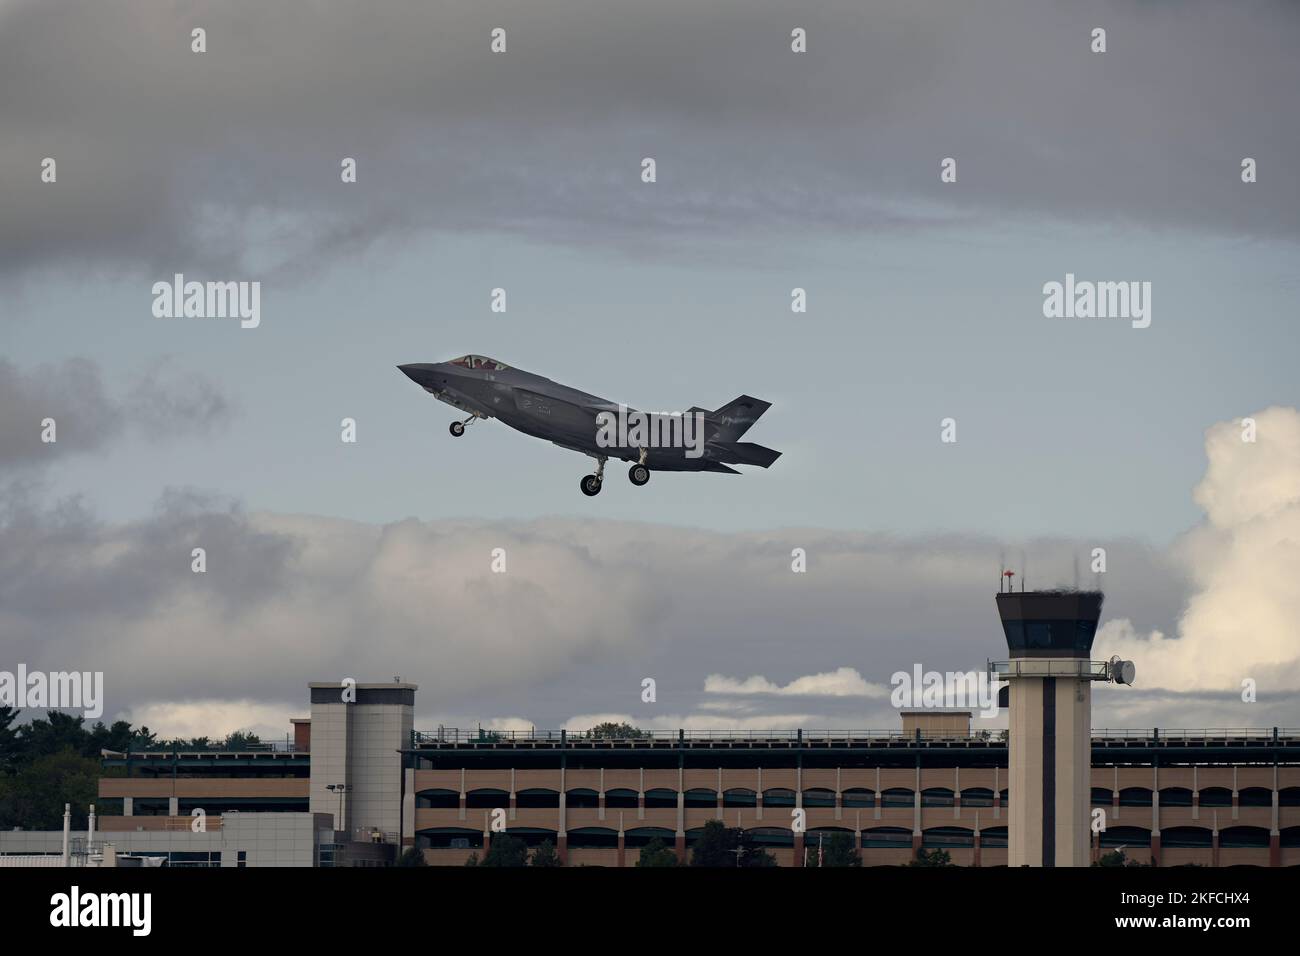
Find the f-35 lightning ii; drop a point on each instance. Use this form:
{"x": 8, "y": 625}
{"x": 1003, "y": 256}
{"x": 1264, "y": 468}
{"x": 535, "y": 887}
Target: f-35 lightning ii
{"x": 696, "y": 440}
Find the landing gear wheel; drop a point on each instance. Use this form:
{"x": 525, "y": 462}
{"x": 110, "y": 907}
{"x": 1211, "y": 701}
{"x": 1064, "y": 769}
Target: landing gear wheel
{"x": 638, "y": 475}
{"x": 457, "y": 428}
{"x": 590, "y": 485}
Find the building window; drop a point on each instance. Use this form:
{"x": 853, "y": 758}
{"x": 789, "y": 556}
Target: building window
{"x": 535, "y": 799}
{"x": 1184, "y": 837}
{"x": 489, "y": 799}
{"x": 1255, "y": 797}
{"x": 660, "y": 798}
{"x": 885, "y": 837}
{"x": 897, "y": 797}
{"x": 1216, "y": 797}
{"x": 1243, "y": 837}
{"x": 994, "y": 837}
{"x": 948, "y": 837}
{"x": 1135, "y": 797}
{"x": 437, "y": 800}
{"x": 620, "y": 799}
{"x": 778, "y": 797}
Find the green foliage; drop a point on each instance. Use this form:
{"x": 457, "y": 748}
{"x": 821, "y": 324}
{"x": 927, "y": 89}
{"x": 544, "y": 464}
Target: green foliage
{"x": 837, "y": 850}
{"x": 412, "y": 856}
{"x": 932, "y": 858}
{"x": 656, "y": 854}
{"x": 54, "y": 760}
{"x": 719, "y": 845}
{"x": 1118, "y": 858}
{"x": 8, "y": 741}
{"x": 506, "y": 851}
{"x": 617, "y": 731}
{"x": 33, "y": 798}
{"x": 545, "y": 855}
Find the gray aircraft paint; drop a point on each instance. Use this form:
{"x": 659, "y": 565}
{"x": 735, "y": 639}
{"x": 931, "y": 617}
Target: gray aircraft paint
{"x": 538, "y": 406}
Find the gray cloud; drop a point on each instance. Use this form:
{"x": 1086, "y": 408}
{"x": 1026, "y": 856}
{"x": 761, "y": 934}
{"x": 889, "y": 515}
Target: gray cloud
{"x": 229, "y": 160}
{"x": 585, "y": 610}
{"x": 162, "y": 403}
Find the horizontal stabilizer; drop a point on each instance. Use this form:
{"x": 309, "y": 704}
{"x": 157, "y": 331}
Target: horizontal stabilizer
{"x": 743, "y": 453}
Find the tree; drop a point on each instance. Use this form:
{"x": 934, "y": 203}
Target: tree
{"x": 8, "y": 740}
{"x": 33, "y": 798}
{"x": 715, "y": 846}
{"x": 1118, "y": 858}
{"x": 718, "y": 845}
{"x": 838, "y": 850}
{"x": 506, "y": 851}
{"x": 241, "y": 740}
{"x": 412, "y": 856}
{"x": 119, "y": 737}
{"x": 754, "y": 855}
{"x": 53, "y": 734}
{"x": 618, "y": 731}
{"x": 935, "y": 858}
{"x": 656, "y": 854}
{"x": 545, "y": 855}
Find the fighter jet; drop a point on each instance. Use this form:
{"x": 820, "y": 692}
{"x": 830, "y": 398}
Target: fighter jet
{"x": 696, "y": 440}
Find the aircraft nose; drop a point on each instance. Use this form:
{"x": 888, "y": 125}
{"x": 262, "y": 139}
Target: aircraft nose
{"x": 410, "y": 371}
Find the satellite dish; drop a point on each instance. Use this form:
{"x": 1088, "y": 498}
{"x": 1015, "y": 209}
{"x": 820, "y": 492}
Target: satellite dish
{"x": 1122, "y": 672}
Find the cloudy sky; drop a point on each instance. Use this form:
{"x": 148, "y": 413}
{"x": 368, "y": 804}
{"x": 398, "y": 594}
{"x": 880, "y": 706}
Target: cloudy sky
{"x": 522, "y": 170}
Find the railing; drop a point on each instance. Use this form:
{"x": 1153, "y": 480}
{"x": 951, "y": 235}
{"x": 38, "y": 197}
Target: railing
{"x": 1175, "y": 733}
{"x": 451, "y": 736}
{"x": 1047, "y": 667}
{"x": 286, "y": 746}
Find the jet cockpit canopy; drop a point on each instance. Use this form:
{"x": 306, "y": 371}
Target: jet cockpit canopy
{"x": 479, "y": 362}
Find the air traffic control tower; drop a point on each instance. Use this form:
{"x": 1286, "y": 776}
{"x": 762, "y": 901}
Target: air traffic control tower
{"x": 1050, "y": 676}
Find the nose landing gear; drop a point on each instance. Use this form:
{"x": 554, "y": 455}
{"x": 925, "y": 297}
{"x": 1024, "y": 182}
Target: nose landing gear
{"x": 458, "y": 428}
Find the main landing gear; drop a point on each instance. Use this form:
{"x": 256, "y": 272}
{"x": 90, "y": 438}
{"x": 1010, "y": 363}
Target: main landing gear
{"x": 590, "y": 484}
{"x": 639, "y": 474}
{"x": 458, "y": 428}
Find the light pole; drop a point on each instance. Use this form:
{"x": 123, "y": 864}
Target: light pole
{"x": 340, "y": 788}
